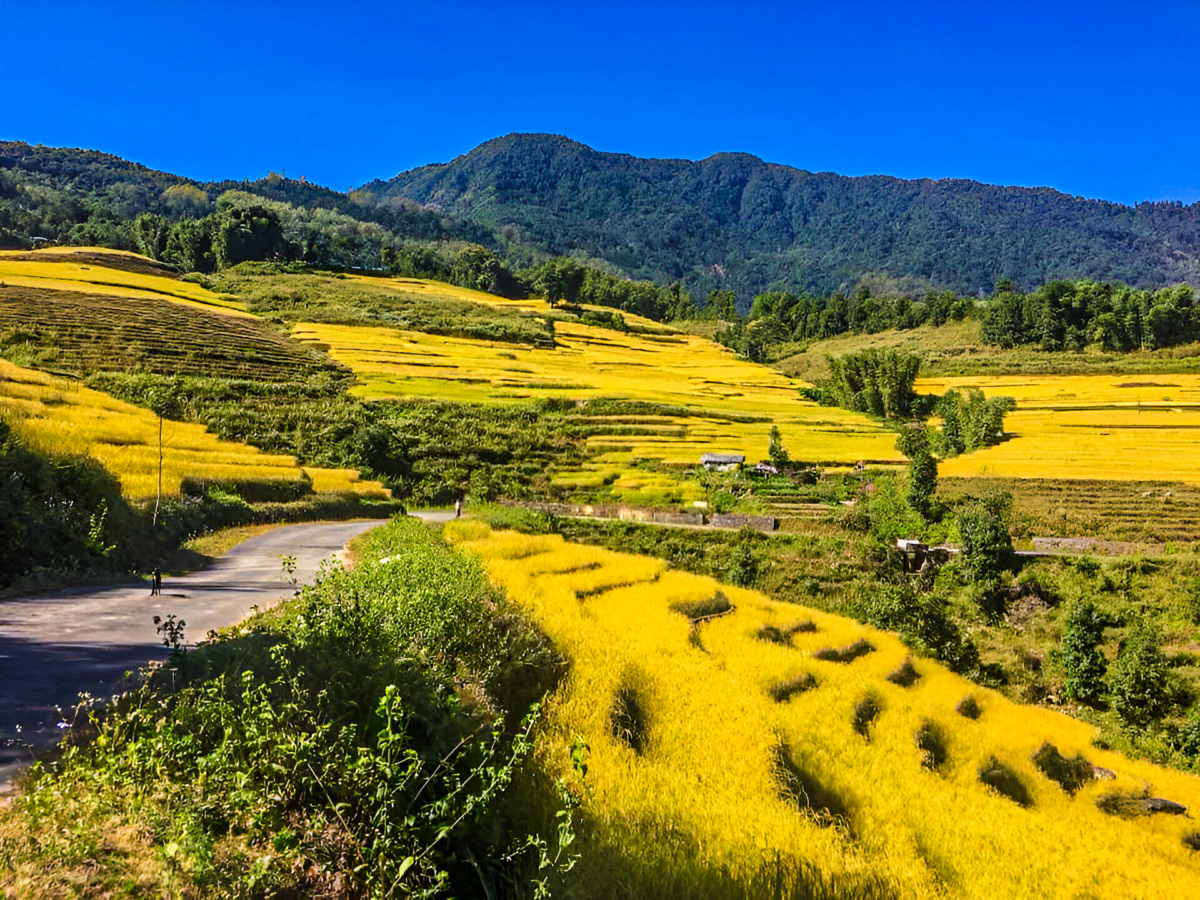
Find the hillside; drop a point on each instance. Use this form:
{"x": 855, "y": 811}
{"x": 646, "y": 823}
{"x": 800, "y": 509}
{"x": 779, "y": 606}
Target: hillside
{"x": 761, "y": 734}
{"x": 734, "y": 221}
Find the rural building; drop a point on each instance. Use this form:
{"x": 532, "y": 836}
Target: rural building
{"x": 722, "y": 462}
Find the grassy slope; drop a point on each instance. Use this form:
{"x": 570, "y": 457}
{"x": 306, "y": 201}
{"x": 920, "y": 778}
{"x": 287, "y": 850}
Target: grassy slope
{"x": 956, "y": 349}
{"x": 254, "y": 734}
{"x": 111, "y": 272}
{"x": 426, "y": 306}
{"x": 145, "y": 319}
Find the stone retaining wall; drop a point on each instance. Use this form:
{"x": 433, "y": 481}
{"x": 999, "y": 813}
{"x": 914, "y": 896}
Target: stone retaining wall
{"x": 732, "y": 520}
{"x": 653, "y": 516}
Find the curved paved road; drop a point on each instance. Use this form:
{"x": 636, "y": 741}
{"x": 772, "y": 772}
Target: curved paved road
{"x": 54, "y": 646}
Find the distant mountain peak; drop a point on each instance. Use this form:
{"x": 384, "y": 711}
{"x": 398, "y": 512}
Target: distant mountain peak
{"x": 770, "y": 226}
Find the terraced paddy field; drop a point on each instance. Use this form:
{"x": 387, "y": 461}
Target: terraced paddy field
{"x": 60, "y": 417}
{"x": 108, "y": 272}
{"x": 81, "y": 333}
{"x": 727, "y": 732}
{"x": 1088, "y": 427}
{"x": 1149, "y": 513}
{"x": 703, "y": 398}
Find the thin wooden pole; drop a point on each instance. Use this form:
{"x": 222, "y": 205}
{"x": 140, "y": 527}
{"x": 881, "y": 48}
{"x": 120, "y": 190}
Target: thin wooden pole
{"x": 158, "y": 500}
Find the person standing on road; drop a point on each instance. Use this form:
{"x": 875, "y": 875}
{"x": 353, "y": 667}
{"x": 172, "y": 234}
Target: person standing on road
{"x": 157, "y": 589}
{"x": 458, "y": 507}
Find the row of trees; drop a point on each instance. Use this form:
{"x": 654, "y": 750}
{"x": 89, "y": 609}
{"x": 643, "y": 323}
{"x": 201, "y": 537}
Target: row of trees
{"x": 1066, "y": 315}
{"x": 567, "y": 280}
{"x": 778, "y": 318}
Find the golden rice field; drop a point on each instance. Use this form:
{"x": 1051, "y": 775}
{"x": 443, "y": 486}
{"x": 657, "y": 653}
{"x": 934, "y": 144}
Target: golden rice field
{"x": 94, "y": 269}
{"x": 1114, "y": 427}
{"x": 708, "y": 384}
{"x": 61, "y": 417}
{"x": 719, "y": 774}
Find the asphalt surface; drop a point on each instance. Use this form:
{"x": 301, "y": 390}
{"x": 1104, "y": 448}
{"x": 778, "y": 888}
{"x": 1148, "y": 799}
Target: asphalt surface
{"x": 55, "y": 646}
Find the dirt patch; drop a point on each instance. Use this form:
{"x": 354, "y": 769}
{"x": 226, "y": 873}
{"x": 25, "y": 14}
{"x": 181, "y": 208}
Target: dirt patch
{"x": 866, "y": 711}
{"x": 1024, "y": 607}
{"x": 968, "y": 708}
{"x": 1070, "y": 774}
{"x": 1093, "y": 545}
{"x": 1132, "y": 806}
{"x": 1005, "y": 782}
{"x": 905, "y": 675}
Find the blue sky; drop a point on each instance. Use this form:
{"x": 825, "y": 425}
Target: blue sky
{"x": 1097, "y": 99}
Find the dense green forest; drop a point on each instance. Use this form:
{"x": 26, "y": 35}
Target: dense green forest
{"x": 1067, "y": 315}
{"x": 732, "y": 221}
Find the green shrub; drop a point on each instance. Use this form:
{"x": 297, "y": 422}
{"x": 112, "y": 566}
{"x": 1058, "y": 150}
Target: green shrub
{"x": 1137, "y": 684}
{"x": 889, "y": 513}
{"x": 743, "y": 567}
{"x": 1083, "y": 663}
{"x": 922, "y": 621}
{"x": 984, "y": 539}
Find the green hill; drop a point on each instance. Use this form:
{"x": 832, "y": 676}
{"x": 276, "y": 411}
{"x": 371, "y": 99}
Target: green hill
{"x": 734, "y": 221}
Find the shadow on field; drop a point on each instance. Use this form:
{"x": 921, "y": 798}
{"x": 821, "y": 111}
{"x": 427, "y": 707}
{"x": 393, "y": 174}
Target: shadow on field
{"x": 646, "y": 859}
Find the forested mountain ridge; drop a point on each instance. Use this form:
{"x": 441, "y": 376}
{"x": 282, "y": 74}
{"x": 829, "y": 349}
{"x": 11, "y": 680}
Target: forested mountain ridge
{"x": 733, "y": 221}
{"x": 81, "y": 196}
{"x": 730, "y": 222}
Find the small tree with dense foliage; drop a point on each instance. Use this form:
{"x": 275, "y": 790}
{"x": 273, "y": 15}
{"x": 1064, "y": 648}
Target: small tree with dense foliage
{"x": 776, "y": 452}
{"x": 970, "y": 420}
{"x": 984, "y": 538}
{"x": 1083, "y": 663}
{"x": 914, "y": 442}
{"x": 1138, "y": 683}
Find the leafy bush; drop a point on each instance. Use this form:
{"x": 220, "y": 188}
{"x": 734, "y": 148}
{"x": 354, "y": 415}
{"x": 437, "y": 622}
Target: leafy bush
{"x": 1137, "y": 684}
{"x": 889, "y": 514}
{"x": 1188, "y": 741}
{"x": 1083, "y": 663}
{"x": 60, "y": 514}
{"x": 743, "y": 567}
{"x": 922, "y": 621}
{"x": 984, "y": 539}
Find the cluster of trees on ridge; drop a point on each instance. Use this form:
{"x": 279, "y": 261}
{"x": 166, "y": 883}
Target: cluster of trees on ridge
{"x": 1065, "y": 315}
